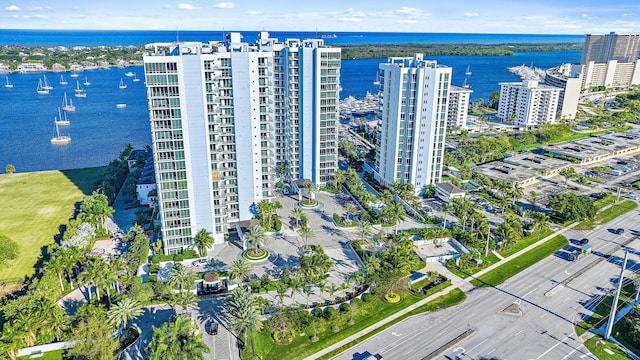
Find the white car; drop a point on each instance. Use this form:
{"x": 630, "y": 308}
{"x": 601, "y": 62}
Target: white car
{"x": 200, "y": 262}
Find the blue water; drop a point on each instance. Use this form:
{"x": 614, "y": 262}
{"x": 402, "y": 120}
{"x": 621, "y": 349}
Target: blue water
{"x": 99, "y": 130}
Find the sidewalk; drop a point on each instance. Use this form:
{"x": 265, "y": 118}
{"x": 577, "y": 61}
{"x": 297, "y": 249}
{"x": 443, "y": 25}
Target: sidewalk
{"x": 456, "y": 283}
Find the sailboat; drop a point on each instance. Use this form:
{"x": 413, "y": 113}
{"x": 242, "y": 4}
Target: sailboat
{"x": 80, "y": 92}
{"x": 58, "y": 139}
{"x": 135, "y": 78}
{"x": 8, "y": 84}
{"x": 67, "y": 106}
{"x": 468, "y": 72}
{"x": 75, "y": 74}
{"x": 62, "y": 120}
{"x": 41, "y": 90}
{"x": 45, "y": 83}
{"x": 122, "y": 84}
{"x": 86, "y": 81}
{"x": 63, "y": 81}
{"x": 129, "y": 74}
{"x": 464, "y": 84}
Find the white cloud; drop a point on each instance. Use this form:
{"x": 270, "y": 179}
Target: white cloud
{"x": 15, "y": 16}
{"x": 36, "y": 16}
{"x": 12, "y": 8}
{"x": 185, "y": 6}
{"x": 167, "y": 6}
{"x": 350, "y": 19}
{"x": 407, "y": 10}
{"x": 36, "y": 8}
{"x": 254, "y": 12}
{"x": 405, "y": 21}
{"x": 586, "y": 16}
{"x": 471, "y": 14}
{"x": 628, "y": 14}
{"x": 225, "y": 5}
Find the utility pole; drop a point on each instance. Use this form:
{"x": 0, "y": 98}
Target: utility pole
{"x": 617, "y": 195}
{"x": 614, "y": 305}
{"x": 486, "y": 250}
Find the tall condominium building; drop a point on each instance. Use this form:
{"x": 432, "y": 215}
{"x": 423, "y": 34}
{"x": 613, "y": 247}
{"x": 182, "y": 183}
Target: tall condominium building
{"x": 528, "y": 103}
{"x": 457, "y": 115}
{"x": 612, "y": 46}
{"x": 413, "y": 121}
{"x": 224, "y": 113}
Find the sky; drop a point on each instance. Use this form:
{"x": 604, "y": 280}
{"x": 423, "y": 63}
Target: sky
{"x": 458, "y": 16}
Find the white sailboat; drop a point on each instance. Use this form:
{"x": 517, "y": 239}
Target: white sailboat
{"x": 45, "y": 83}
{"x": 8, "y": 84}
{"x": 135, "y": 78}
{"x": 468, "y": 72}
{"x": 62, "y": 120}
{"x": 122, "y": 84}
{"x": 58, "y": 139}
{"x": 41, "y": 90}
{"x": 74, "y": 75}
{"x": 67, "y": 106}
{"x": 80, "y": 92}
{"x": 86, "y": 81}
{"x": 464, "y": 84}
{"x": 63, "y": 81}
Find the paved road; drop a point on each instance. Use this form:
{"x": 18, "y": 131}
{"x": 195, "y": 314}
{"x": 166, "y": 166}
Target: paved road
{"x": 517, "y": 320}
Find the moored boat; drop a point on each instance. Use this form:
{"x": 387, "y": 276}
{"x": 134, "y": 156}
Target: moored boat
{"x": 67, "y": 105}
{"x": 7, "y": 84}
{"x": 58, "y": 139}
{"x": 63, "y": 81}
{"x": 122, "y": 84}
{"x": 62, "y": 120}
{"x": 41, "y": 90}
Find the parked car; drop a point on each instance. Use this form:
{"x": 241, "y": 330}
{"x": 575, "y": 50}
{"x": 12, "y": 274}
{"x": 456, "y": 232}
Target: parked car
{"x": 212, "y": 329}
{"x": 619, "y": 231}
{"x": 584, "y": 241}
{"x": 200, "y": 262}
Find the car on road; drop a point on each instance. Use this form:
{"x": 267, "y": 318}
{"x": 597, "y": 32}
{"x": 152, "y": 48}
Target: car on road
{"x": 584, "y": 241}
{"x": 212, "y": 328}
{"x": 200, "y": 262}
{"x": 619, "y": 231}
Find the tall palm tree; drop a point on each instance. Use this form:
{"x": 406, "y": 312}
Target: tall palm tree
{"x": 12, "y": 339}
{"x": 181, "y": 276}
{"x": 240, "y": 269}
{"x": 256, "y": 236}
{"x": 203, "y": 241}
{"x": 119, "y": 266}
{"x": 349, "y": 210}
{"x": 185, "y": 300}
{"x": 95, "y": 209}
{"x": 306, "y": 233}
{"x": 386, "y": 196}
{"x": 365, "y": 229}
{"x": 93, "y": 274}
{"x": 296, "y": 286}
{"x": 74, "y": 256}
{"x": 517, "y": 191}
{"x": 446, "y": 208}
{"x": 109, "y": 277}
{"x": 311, "y": 188}
{"x": 58, "y": 265}
{"x": 297, "y": 214}
{"x": 244, "y": 316}
{"x": 176, "y": 340}
{"x": 339, "y": 176}
{"x": 281, "y": 293}
{"x": 124, "y": 311}
{"x": 394, "y": 214}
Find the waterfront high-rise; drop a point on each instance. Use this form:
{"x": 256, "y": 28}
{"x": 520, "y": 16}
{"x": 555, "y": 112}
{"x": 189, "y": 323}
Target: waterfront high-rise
{"x": 223, "y": 114}
{"x": 602, "y": 48}
{"x": 528, "y": 103}
{"x": 457, "y": 115}
{"x": 413, "y": 121}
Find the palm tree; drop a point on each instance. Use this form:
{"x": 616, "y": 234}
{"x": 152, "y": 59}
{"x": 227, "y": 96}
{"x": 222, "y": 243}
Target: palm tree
{"x": 185, "y": 300}
{"x": 203, "y": 241}
{"x": 109, "y": 277}
{"x": 93, "y": 274}
{"x": 244, "y": 315}
{"x": 181, "y": 276}
{"x": 176, "y": 340}
{"x": 281, "y": 293}
{"x": 311, "y": 189}
{"x": 123, "y": 312}
{"x": 516, "y": 192}
{"x": 332, "y": 290}
{"x": 297, "y": 214}
{"x": 446, "y": 208}
{"x": 57, "y": 322}
{"x": 350, "y": 209}
{"x": 95, "y": 209}
{"x": 119, "y": 266}
{"x": 295, "y": 285}
{"x": 256, "y": 237}
{"x": 74, "y": 255}
{"x": 365, "y": 229}
{"x": 386, "y": 196}
{"x": 339, "y": 176}
{"x": 12, "y": 340}
{"x": 58, "y": 265}
{"x": 240, "y": 269}
{"x": 394, "y": 214}
{"x": 306, "y": 233}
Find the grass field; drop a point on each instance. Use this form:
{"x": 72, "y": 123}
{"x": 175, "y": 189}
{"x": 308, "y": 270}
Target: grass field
{"x": 33, "y": 206}
{"x": 498, "y": 275}
{"x": 597, "y": 346}
{"x": 607, "y": 215}
{"x": 526, "y": 242}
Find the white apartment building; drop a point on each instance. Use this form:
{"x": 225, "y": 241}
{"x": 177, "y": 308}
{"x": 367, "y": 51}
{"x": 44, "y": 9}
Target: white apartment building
{"x": 458, "y": 113}
{"x": 570, "y": 84}
{"x": 617, "y": 47}
{"x": 413, "y": 121}
{"x": 224, "y": 113}
{"x": 528, "y": 103}
{"x": 612, "y": 74}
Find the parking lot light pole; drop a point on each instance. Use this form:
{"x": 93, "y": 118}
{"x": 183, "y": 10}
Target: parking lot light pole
{"x": 614, "y": 305}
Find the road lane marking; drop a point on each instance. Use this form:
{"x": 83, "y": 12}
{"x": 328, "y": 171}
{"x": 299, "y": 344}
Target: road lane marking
{"x": 572, "y": 351}
{"x": 481, "y": 342}
{"x": 553, "y": 347}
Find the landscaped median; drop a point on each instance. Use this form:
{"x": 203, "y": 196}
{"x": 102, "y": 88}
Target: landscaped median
{"x": 607, "y": 215}
{"x": 508, "y": 269}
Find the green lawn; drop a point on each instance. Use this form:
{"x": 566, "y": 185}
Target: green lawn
{"x": 486, "y": 262}
{"x": 601, "y": 313}
{"x": 524, "y": 243}
{"x": 33, "y": 206}
{"x": 597, "y": 346}
{"x": 607, "y": 215}
{"x": 454, "y": 297}
{"x": 367, "y": 315}
{"x": 498, "y": 275}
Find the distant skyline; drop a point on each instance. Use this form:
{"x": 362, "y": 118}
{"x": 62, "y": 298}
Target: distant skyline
{"x": 461, "y": 16}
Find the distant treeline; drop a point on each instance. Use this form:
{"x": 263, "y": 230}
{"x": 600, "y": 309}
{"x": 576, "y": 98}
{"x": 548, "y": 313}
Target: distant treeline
{"x": 369, "y": 51}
